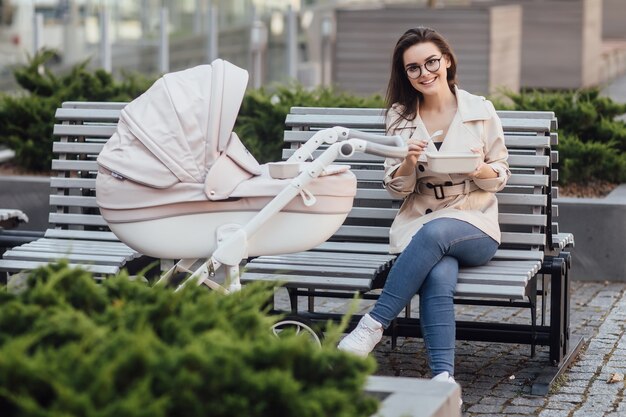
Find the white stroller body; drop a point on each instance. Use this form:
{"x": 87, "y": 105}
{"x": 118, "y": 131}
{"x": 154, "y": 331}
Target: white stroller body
{"x": 175, "y": 182}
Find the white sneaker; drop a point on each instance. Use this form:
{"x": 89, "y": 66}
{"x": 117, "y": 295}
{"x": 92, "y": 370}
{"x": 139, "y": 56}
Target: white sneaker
{"x": 446, "y": 377}
{"x": 363, "y": 338}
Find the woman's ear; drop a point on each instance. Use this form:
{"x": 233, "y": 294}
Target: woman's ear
{"x": 448, "y": 61}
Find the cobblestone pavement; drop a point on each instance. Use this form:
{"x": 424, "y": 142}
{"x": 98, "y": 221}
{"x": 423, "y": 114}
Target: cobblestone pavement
{"x": 496, "y": 378}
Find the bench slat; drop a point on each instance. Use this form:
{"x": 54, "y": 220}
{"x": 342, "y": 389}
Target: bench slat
{"x": 490, "y": 291}
{"x": 60, "y": 182}
{"x": 95, "y": 105}
{"x": 81, "y": 235}
{"x": 69, "y": 165}
{"x": 312, "y": 282}
{"x": 73, "y": 201}
{"x": 525, "y": 161}
{"x": 87, "y": 115}
{"x": 372, "y": 111}
{"x": 358, "y": 121}
{"x": 80, "y": 219}
{"x": 514, "y": 141}
{"x": 72, "y": 257}
{"x": 77, "y": 148}
{"x": 94, "y": 131}
{"x": 16, "y": 266}
{"x": 343, "y": 271}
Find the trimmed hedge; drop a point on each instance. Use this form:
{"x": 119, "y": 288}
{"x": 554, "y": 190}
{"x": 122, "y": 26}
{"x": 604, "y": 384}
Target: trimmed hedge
{"x": 71, "y": 346}
{"x": 592, "y": 141}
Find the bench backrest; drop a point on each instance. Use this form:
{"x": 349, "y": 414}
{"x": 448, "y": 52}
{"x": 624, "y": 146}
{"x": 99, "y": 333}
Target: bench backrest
{"x": 524, "y": 203}
{"x": 81, "y": 130}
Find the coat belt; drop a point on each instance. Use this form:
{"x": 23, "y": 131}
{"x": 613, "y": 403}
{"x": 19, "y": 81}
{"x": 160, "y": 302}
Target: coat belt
{"x": 441, "y": 191}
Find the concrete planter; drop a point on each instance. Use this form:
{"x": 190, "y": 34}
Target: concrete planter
{"x": 29, "y": 194}
{"x": 412, "y": 397}
{"x": 599, "y": 228}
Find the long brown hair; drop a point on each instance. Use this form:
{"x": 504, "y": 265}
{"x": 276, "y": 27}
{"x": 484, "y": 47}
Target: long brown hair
{"x": 399, "y": 89}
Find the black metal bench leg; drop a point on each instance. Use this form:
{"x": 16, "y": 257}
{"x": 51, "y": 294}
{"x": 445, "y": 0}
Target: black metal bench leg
{"x": 544, "y": 302}
{"x": 567, "y": 257}
{"x": 311, "y": 301}
{"x": 533, "y": 315}
{"x": 557, "y": 309}
{"x": 293, "y": 299}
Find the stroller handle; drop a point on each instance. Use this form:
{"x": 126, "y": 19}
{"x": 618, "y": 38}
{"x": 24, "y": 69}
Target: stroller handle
{"x": 395, "y": 141}
{"x": 386, "y": 150}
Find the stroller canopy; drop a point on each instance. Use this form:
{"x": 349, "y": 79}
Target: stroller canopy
{"x": 179, "y": 130}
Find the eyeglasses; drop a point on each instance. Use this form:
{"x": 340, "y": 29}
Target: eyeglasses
{"x": 414, "y": 71}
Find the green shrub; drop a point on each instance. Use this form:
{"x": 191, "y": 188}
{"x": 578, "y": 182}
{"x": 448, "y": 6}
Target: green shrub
{"x": 261, "y": 120}
{"x": 592, "y": 141}
{"x": 27, "y": 119}
{"x": 70, "y": 346}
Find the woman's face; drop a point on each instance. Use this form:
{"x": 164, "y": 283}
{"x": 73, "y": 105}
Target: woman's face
{"x": 418, "y": 60}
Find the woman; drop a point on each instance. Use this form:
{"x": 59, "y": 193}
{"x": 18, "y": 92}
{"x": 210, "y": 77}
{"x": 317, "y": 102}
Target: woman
{"x": 446, "y": 220}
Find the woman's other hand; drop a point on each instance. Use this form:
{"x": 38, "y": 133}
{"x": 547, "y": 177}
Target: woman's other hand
{"x": 484, "y": 170}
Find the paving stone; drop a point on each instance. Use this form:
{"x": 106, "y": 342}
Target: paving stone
{"x": 600, "y": 387}
{"x": 572, "y": 389}
{"x": 553, "y": 413}
{"x": 481, "y": 415}
{"x": 485, "y": 408}
{"x": 601, "y": 401}
{"x": 559, "y": 405}
{"x": 587, "y": 413}
{"x": 571, "y": 398}
{"x": 492, "y": 400}
{"x": 529, "y": 401}
{"x": 585, "y": 376}
{"x": 521, "y": 409}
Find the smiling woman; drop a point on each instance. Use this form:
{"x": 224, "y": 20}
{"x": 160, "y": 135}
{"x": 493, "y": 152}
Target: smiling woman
{"x": 449, "y": 217}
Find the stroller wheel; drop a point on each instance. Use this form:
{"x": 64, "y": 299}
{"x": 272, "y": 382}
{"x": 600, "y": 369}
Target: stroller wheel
{"x": 299, "y": 326}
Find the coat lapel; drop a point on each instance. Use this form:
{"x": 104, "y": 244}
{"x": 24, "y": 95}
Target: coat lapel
{"x": 471, "y": 108}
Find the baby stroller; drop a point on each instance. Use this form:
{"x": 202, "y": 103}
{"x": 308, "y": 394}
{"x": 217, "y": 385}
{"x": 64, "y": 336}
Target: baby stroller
{"x": 175, "y": 181}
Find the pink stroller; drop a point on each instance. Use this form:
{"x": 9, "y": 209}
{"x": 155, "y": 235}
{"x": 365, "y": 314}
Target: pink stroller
{"x": 175, "y": 182}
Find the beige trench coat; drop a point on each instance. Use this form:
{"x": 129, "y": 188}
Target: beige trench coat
{"x": 475, "y": 125}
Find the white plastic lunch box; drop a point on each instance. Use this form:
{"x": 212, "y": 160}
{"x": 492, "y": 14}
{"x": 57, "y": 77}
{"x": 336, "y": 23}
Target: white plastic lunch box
{"x": 452, "y": 162}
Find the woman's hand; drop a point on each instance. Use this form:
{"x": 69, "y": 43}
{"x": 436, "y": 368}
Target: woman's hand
{"x": 484, "y": 170}
{"x": 415, "y": 149}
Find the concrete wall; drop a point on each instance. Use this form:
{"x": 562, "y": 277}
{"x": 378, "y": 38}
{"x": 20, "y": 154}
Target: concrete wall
{"x": 614, "y": 19}
{"x": 487, "y": 47}
{"x": 561, "y": 43}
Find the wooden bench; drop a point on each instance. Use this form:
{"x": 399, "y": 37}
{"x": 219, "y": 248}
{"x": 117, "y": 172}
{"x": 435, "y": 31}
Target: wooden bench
{"x": 356, "y": 259}
{"x": 77, "y": 232}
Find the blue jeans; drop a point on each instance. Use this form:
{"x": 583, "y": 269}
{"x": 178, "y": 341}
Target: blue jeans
{"x": 430, "y": 266}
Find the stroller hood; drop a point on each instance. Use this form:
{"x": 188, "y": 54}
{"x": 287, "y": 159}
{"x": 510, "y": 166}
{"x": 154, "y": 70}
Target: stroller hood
{"x": 180, "y": 128}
